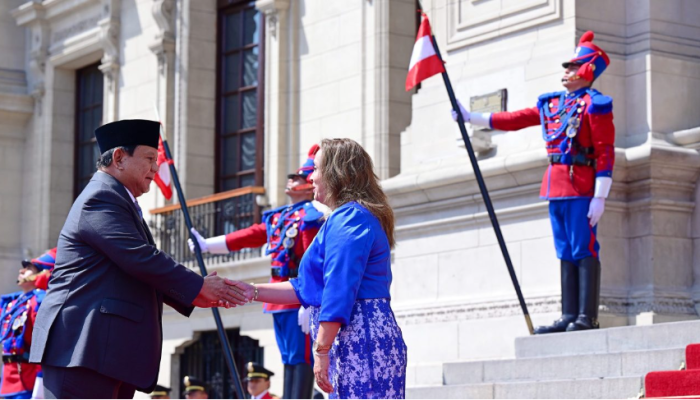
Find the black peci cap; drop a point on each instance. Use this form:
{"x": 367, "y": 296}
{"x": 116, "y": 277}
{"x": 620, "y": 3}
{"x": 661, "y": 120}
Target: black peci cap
{"x": 128, "y": 132}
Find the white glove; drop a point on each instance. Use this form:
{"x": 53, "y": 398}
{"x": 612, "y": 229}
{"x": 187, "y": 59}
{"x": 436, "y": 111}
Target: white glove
{"x": 202, "y": 242}
{"x": 465, "y": 114}
{"x": 305, "y": 319}
{"x": 214, "y": 245}
{"x": 597, "y": 206}
{"x": 595, "y": 210}
{"x": 38, "y": 392}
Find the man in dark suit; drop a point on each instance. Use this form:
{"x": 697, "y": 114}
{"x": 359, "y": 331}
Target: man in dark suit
{"x": 98, "y": 333}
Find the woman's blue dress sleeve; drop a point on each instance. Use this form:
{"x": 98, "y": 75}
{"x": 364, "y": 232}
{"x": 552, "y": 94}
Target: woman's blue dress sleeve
{"x": 348, "y": 242}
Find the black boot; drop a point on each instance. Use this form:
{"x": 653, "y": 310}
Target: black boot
{"x": 569, "y": 300}
{"x": 589, "y": 295}
{"x": 288, "y": 381}
{"x": 303, "y": 386}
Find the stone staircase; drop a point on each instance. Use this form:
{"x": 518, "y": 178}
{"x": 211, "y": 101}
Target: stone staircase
{"x": 606, "y": 363}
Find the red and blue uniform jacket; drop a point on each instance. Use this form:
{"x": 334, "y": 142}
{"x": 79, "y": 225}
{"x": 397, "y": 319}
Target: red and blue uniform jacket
{"x": 18, "y": 316}
{"x": 580, "y": 135}
{"x": 267, "y": 395}
{"x": 288, "y": 232}
{"x": 42, "y": 279}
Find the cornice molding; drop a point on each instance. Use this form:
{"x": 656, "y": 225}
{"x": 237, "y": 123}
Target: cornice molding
{"x": 678, "y": 304}
{"x": 272, "y": 6}
{"x": 16, "y": 106}
{"x": 29, "y": 12}
{"x": 417, "y": 188}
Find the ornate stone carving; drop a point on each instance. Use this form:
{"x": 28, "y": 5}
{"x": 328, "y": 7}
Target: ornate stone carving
{"x": 658, "y": 304}
{"x": 110, "y": 28}
{"x": 471, "y": 311}
{"x": 271, "y": 8}
{"x": 109, "y": 37}
{"x": 164, "y": 44}
{"x": 498, "y": 309}
{"x": 163, "y": 12}
{"x": 74, "y": 29}
{"x": 38, "y": 55}
{"x": 33, "y": 15}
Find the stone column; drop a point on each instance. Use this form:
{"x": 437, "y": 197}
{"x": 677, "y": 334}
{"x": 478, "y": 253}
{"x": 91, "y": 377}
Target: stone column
{"x": 109, "y": 37}
{"x": 658, "y": 186}
{"x": 164, "y": 48}
{"x": 281, "y": 96}
{"x": 34, "y": 232}
{"x": 387, "y": 46}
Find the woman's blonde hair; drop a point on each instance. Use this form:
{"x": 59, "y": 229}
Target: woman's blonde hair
{"x": 348, "y": 175}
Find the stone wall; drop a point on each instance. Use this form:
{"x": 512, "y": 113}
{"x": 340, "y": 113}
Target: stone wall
{"x": 451, "y": 283}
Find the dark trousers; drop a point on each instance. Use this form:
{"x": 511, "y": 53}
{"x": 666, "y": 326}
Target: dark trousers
{"x": 83, "y": 383}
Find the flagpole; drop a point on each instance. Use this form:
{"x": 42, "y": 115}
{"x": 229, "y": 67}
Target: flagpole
{"x": 225, "y": 344}
{"x": 484, "y": 190}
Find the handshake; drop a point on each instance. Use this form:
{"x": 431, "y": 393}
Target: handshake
{"x": 223, "y": 292}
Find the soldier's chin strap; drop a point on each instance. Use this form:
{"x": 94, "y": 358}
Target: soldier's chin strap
{"x": 32, "y": 277}
{"x": 302, "y": 188}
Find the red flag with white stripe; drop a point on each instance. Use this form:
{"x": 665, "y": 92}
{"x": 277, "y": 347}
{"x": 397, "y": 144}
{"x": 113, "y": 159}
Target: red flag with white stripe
{"x": 162, "y": 178}
{"x": 424, "y": 61}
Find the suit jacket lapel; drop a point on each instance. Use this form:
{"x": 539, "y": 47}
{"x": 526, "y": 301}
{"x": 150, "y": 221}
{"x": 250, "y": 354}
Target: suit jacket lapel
{"x": 148, "y": 232}
{"x": 119, "y": 188}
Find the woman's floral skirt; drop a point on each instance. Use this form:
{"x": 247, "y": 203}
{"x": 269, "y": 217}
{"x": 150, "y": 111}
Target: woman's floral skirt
{"x": 368, "y": 357}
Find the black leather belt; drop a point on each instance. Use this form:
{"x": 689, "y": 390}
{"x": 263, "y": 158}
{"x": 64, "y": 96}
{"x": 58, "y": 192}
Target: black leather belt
{"x": 578, "y": 159}
{"x": 293, "y": 272}
{"x": 14, "y": 358}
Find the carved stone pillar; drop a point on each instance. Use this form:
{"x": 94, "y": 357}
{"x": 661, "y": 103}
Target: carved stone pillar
{"x": 163, "y": 47}
{"x": 33, "y": 16}
{"x": 281, "y": 132}
{"x": 109, "y": 37}
{"x": 37, "y": 62}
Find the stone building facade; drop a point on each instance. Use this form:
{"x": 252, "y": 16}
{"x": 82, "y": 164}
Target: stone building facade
{"x": 310, "y": 69}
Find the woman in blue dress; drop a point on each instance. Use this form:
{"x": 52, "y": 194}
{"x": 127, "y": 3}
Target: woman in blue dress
{"x": 344, "y": 278}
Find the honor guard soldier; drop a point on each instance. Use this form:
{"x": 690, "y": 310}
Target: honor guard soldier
{"x": 18, "y": 315}
{"x": 160, "y": 392}
{"x": 195, "y": 388}
{"x": 46, "y": 261}
{"x": 288, "y": 232}
{"x": 577, "y": 126}
{"x": 258, "y": 380}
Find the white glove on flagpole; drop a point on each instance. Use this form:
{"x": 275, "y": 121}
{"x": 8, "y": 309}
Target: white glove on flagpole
{"x": 479, "y": 119}
{"x": 465, "y": 114}
{"x": 214, "y": 245}
{"x": 305, "y": 319}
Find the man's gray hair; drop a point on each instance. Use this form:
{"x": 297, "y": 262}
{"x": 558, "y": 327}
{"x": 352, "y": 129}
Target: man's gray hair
{"x": 105, "y": 159}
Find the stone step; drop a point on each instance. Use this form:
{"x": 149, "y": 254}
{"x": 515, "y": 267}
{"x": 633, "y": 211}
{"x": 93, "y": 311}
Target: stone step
{"x": 620, "y": 387}
{"x": 670, "y": 335}
{"x": 632, "y": 363}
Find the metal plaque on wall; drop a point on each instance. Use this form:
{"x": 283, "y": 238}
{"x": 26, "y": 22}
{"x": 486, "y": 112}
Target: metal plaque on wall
{"x": 488, "y": 103}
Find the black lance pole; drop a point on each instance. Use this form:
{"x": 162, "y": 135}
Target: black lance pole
{"x": 484, "y": 192}
{"x": 225, "y": 344}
